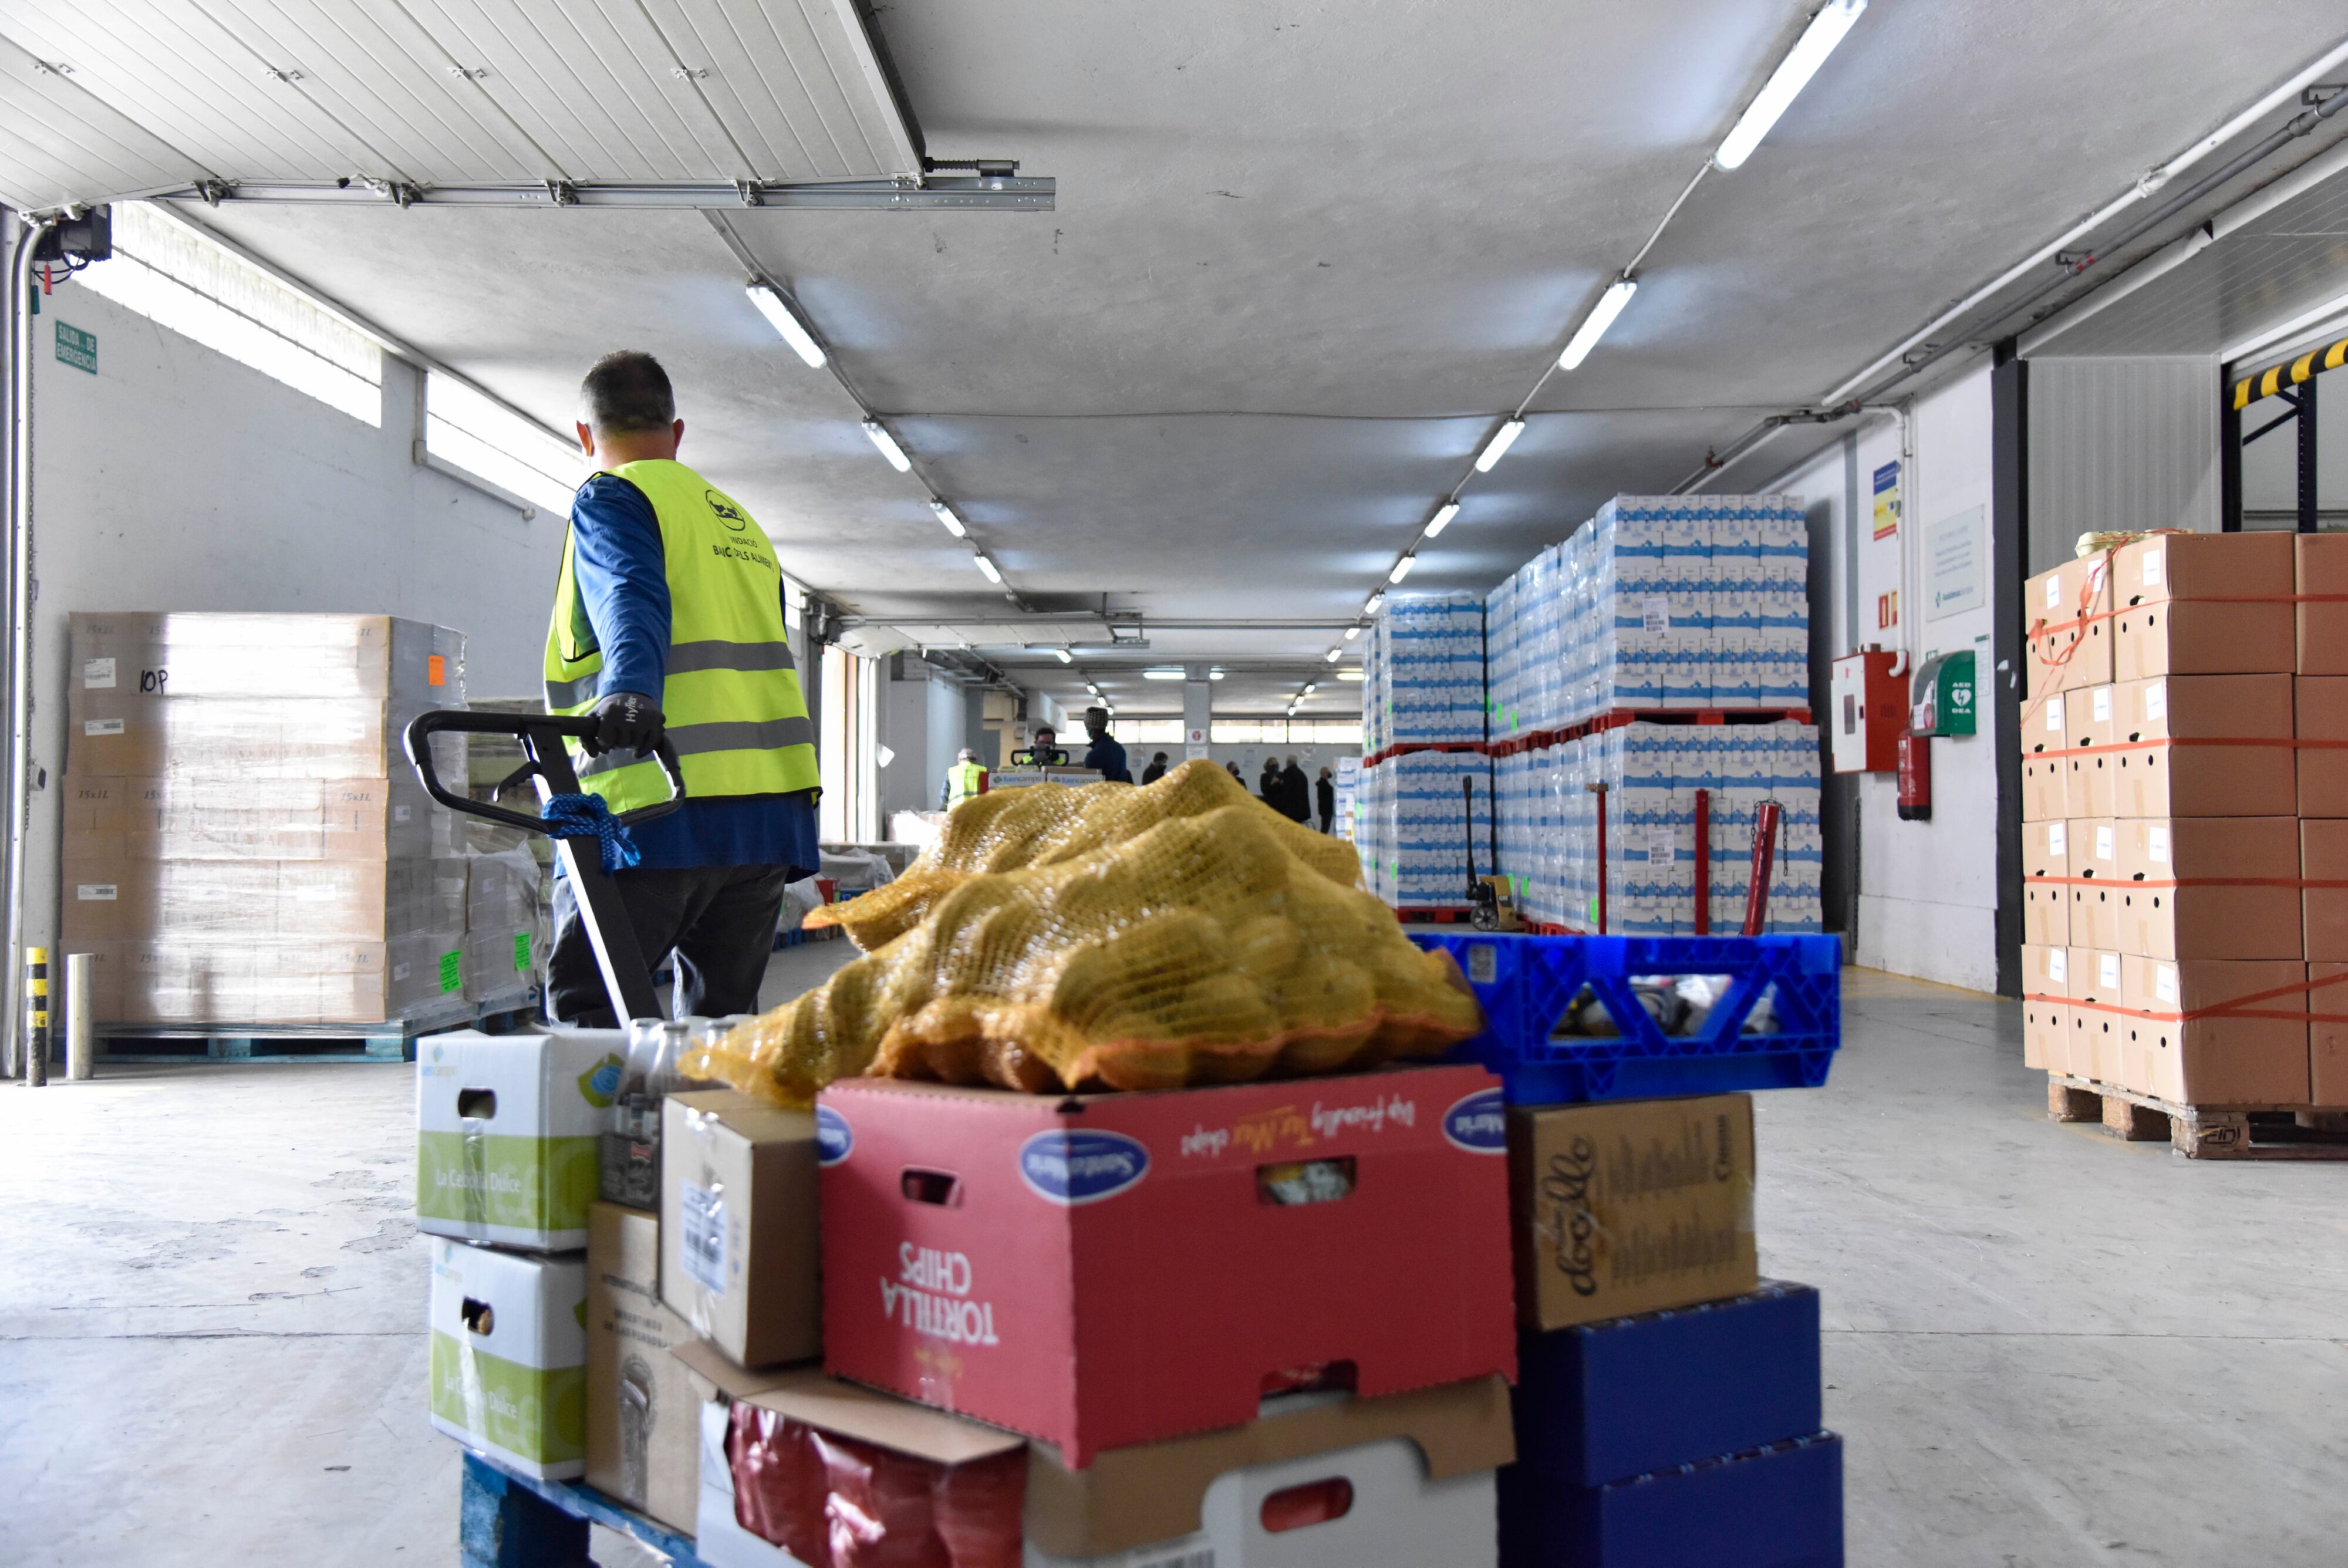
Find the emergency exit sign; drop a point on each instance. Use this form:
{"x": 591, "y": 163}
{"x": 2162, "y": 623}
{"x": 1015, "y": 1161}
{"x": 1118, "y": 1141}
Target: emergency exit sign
{"x": 78, "y": 348}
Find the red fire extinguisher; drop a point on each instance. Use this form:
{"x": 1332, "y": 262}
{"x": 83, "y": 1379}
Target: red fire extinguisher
{"x": 1915, "y": 779}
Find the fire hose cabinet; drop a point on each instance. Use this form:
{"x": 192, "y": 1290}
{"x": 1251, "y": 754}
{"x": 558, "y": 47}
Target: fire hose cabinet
{"x": 1867, "y": 712}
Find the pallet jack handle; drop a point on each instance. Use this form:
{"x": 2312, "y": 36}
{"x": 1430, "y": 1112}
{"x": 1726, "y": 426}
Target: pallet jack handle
{"x": 627, "y": 977}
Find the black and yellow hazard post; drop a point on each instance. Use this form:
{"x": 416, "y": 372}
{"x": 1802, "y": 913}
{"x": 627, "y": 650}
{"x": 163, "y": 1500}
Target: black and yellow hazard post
{"x": 37, "y": 1016}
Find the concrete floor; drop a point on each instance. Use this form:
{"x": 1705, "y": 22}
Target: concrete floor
{"x": 2043, "y": 1348}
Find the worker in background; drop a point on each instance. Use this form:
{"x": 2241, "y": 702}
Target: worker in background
{"x": 965, "y": 779}
{"x": 1267, "y": 786}
{"x": 1045, "y": 752}
{"x": 1106, "y": 754}
{"x": 1324, "y": 791}
{"x": 1156, "y": 771}
{"x": 1233, "y": 769}
{"x": 668, "y": 620}
{"x": 1296, "y": 792}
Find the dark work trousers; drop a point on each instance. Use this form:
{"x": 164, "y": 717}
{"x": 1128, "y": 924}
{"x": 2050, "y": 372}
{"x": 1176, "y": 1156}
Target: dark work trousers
{"x": 718, "y": 922}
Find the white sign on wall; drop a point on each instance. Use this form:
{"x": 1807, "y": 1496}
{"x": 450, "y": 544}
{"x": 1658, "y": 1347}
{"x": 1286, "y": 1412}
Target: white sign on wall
{"x": 1955, "y": 565}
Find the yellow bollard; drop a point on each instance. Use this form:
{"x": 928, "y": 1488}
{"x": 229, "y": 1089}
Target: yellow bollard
{"x": 36, "y": 1009}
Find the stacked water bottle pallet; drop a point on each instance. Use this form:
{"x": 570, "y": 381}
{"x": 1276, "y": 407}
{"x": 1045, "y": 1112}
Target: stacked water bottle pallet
{"x": 1660, "y": 653}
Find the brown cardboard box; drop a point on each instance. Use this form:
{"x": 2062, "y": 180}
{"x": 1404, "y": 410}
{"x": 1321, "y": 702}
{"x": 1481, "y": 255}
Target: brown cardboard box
{"x": 96, "y": 807}
{"x": 1631, "y": 1206}
{"x": 2200, "y": 781}
{"x": 1151, "y": 1494}
{"x": 2322, "y": 570}
{"x": 2088, "y": 774}
{"x": 2045, "y": 1015}
{"x": 2323, "y": 857}
{"x": 2206, "y": 918}
{"x": 2045, "y": 892}
{"x": 2194, "y": 637}
{"x": 738, "y": 1238}
{"x": 116, "y": 899}
{"x": 2320, "y": 704}
{"x": 643, "y": 1414}
{"x": 295, "y": 981}
{"x": 2044, "y": 796}
{"x": 2096, "y": 1030}
{"x": 129, "y": 734}
{"x": 2211, "y": 1061}
{"x": 2170, "y": 567}
{"x": 2095, "y": 856}
{"x": 2067, "y": 613}
{"x": 2327, "y": 1038}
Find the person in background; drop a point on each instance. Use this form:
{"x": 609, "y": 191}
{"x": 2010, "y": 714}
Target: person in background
{"x": 1267, "y": 786}
{"x": 1045, "y": 752}
{"x": 1156, "y": 771}
{"x": 1296, "y": 792}
{"x": 1233, "y": 769}
{"x": 668, "y": 622}
{"x": 965, "y": 779}
{"x": 1106, "y": 754}
{"x": 1325, "y": 791}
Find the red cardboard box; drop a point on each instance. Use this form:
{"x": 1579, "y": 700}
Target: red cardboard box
{"x": 1097, "y": 1270}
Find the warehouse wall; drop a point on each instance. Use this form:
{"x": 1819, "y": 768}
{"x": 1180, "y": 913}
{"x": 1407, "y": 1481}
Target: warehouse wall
{"x": 922, "y": 720}
{"x": 177, "y": 478}
{"x": 1926, "y": 890}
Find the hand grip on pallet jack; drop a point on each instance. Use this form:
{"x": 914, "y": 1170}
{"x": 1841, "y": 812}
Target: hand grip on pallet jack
{"x": 541, "y": 736}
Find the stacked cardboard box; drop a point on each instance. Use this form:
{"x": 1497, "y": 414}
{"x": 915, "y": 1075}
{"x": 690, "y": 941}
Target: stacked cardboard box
{"x": 243, "y": 839}
{"x": 1423, "y": 672}
{"x": 2180, "y": 818}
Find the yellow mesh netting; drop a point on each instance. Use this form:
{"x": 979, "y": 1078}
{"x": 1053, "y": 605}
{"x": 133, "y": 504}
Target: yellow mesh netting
{"x": 1042, "y": 825}
{"x": 1203, "y": 949}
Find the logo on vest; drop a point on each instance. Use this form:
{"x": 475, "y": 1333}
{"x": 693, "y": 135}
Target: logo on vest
{"x": 726, "y": 512}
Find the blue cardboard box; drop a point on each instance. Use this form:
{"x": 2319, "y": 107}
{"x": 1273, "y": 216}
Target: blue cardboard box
{"x": 1774, "y": 1507}
{"x": 1602, "y": 1401}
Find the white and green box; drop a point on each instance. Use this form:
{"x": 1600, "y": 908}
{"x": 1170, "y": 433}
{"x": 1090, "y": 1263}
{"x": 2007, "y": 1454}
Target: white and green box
{"x": 507, "y": 1129}
{"x": 509, "y": 1355}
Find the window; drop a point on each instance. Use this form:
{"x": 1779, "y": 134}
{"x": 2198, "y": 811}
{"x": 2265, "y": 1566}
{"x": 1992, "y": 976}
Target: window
{"x": 847, "y": 758}
{"x": 484, "y": 440}
{"x": 1287, "y": 732}
{"x": 1241, "y": 731}
{"x": 178, "y": 278}
{"x": 1146, "y": 731}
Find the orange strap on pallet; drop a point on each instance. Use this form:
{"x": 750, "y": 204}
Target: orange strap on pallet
{"x": 2240, "y": 1007}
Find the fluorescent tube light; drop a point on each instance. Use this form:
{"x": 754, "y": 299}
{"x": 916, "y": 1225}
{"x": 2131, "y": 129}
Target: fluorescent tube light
{"x": 1064, "y": 657}
{"x": 1352, "y": 632}
{"x": 1497, "y": 447}
{"x": 1370, "y": 606}
{"x": 1351, "y": 675}
{"x": 1309, "y": 688}
{"x": 1216, "y": 674}
{"x": 1793, "y": 74}
{"x": 1161, "y": 675}
{"x": 1402, "y": 568}
{"x": 888, "y": 447}
{"x": 946, "y": 515}
{"x": 1442, "y": 517}
{"x": 1335, "y": 654}
{"x": 783, "y": 319}
{"x": 994, "y": 572}
{"x": 1092, "y": 689}
{"x": 1593, "y": 325}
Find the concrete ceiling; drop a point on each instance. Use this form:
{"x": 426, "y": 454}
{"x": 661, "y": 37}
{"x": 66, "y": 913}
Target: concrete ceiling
{"x": 1305, "y": 255}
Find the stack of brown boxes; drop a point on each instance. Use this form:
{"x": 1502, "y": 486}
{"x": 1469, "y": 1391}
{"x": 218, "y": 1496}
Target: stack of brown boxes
{"x": 244, "y": 841}
{"x": 2170, "y": 819}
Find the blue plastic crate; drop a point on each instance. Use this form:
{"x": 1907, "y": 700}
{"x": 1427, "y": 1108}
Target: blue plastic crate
{"x": 1527, "y": 982}
{"x": 1779, "y": 1506}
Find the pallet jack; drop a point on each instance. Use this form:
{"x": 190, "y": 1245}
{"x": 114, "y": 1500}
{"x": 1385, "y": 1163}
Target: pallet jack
{"x": 627, "y": 977}
{"x": 1491, "y": 900}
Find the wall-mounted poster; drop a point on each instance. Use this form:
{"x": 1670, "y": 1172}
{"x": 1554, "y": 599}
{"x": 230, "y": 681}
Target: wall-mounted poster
{"x": 1887, "y": 501}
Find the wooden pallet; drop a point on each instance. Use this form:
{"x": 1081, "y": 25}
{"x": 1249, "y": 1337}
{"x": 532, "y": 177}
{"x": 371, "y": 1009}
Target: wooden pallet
{"x": 2200, "y": 1131}
{"x": 393, "y": 1040}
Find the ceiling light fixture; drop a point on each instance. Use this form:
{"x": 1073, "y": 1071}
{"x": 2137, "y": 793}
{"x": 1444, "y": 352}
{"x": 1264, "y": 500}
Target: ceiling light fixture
{"x": 785, "y": 320}
{"x": 1351, "y": 675}
{"x": 1216, "y": 674}
{"x": 994, "y": 572}
{"x": 1497, "y": 447}
{"x": 946, "y": 515}
{"x": 1593, "y": 325}
{"x": 1092, "y": 689}
{"x": 1442, "y": 517}
{"x": 1064, "y": 657}
{"x": 1161, "y": 675}
{"x": 1309, "y": 688}
{"x": 1370, "y": 606}
{"x": 888, "y": 447}
{"x": 1793, "y": 74}
{"x": 1401, "y": 569}
{"x": 1352, "y": 632}
{"x": 1335, "y": 654}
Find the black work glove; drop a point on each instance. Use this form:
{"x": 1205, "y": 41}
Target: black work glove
{"x": 626, "y": 721}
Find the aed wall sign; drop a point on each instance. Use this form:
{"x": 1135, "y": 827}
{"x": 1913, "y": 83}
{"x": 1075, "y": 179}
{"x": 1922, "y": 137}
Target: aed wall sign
{"x": 78, "y": 348}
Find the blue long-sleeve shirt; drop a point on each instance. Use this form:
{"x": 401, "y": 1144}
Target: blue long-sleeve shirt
{"x": 623, "y": 578}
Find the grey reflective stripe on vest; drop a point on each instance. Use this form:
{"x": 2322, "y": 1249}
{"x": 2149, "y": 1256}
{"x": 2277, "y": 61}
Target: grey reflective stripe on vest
{"x": 684, "y": 659}
{"x": 694, "y": 739}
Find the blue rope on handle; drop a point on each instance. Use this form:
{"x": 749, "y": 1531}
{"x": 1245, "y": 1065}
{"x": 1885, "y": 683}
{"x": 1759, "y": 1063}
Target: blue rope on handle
{"x": 587, "y": 816}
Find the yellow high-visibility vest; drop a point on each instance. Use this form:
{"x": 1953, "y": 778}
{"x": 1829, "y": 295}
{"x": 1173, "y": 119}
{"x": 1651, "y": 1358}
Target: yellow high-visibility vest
{"x": 963, "y": 781}
{"x": 731, "y": 697}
